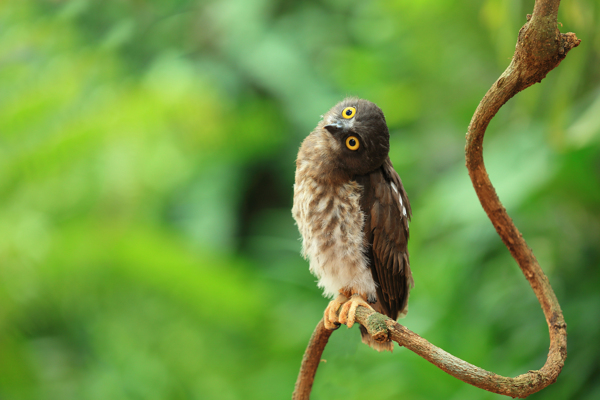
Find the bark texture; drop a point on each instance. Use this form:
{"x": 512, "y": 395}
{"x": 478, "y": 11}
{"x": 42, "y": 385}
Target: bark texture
{"x": 310, "y": 361}
{"x": 540, "y": 48}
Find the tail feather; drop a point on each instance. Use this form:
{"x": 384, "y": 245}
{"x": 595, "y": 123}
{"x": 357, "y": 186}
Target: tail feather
{"x": 379, "y": 346}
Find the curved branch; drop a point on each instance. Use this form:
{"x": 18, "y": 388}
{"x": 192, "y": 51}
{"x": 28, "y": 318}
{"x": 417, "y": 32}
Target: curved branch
{"x": 310, "y": 361}
{"x": 540, "y": 48}
{"x": 520, "y": 386}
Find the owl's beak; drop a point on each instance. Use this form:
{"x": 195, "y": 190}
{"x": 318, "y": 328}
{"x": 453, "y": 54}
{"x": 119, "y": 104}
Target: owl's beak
{"x": 334, "y": 128}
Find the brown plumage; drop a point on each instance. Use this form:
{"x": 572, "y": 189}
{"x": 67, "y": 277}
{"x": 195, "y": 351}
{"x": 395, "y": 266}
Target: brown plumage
{"x": 352, "y": 212}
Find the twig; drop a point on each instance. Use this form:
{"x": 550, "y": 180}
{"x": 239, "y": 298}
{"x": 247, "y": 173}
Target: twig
{"x": 540, "y": 48}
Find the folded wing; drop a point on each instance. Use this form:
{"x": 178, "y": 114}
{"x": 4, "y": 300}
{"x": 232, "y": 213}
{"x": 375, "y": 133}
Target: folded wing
{"x": 387, "y": 213}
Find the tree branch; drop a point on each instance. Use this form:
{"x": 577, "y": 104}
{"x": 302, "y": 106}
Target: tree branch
{"x": 540, "y": 48}
{"x": 310, "y": 361}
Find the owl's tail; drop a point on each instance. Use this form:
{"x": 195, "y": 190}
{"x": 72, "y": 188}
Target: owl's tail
{"x": 379, "y": 346}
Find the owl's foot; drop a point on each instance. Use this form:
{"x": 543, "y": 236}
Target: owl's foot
{"x": 330, "y": 316}
{"x": 348, "y": 311}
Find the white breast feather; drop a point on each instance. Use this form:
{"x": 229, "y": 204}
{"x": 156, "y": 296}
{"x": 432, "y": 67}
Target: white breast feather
{"x": 332, "y": 240}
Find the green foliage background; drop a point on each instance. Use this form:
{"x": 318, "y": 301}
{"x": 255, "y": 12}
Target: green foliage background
{"x": 147, "y": 148}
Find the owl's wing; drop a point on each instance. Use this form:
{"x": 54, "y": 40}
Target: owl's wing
{"x": 387, "y": 212}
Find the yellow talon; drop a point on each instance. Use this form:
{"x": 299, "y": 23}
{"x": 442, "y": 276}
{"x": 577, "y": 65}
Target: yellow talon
{"x": 348, "y": 311}
{"x": 330, "y": 316}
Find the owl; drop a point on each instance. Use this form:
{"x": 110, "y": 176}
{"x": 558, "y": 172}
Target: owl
{"x": 353, "y": 213}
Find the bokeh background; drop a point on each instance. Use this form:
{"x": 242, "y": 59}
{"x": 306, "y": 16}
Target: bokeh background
{"x": 147, "y": 148}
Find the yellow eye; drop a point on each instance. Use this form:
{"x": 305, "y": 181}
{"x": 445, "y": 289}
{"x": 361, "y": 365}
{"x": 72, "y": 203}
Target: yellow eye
{"x": 348, "y": 112}
{"x": 352, "y": 143}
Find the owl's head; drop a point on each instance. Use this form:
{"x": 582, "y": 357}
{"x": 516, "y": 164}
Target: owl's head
{"x": 362, "y": 139}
